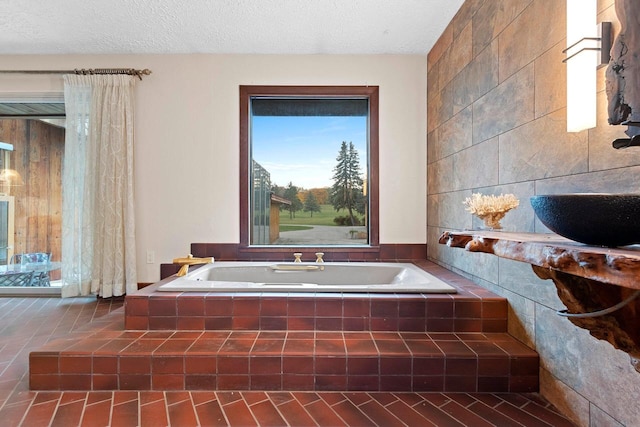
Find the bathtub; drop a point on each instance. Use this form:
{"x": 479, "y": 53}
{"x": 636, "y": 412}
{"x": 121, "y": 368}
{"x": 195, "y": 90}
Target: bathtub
{"x": 308, "y": 277}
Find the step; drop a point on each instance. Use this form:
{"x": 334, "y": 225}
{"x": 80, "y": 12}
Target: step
{"x": 471, "y": 309}
{"x": 286, "y": 360}
{"x": 295, "y": 342}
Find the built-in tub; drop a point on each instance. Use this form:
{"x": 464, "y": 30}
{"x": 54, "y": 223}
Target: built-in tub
{"x": 308, "y": 277}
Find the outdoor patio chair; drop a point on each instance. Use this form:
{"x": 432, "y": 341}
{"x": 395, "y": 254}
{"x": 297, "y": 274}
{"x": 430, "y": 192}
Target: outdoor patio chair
{"x": 36, "y": 262}
{"x": 17, "y": 278}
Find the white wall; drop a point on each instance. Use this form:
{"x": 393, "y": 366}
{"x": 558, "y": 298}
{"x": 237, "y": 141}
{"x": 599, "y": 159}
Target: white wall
{"x": 186, "y": 155}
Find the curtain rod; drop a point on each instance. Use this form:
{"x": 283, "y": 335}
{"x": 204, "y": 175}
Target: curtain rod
{"x": 83, "y": 71}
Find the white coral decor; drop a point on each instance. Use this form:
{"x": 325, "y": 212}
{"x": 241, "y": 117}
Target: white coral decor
{"x": 491, "y": 209}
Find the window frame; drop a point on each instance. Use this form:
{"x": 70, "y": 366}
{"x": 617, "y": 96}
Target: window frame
{"x": 370, "y": 92}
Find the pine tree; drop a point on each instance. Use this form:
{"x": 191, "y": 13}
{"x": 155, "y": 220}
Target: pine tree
{"x": 311, "y": 204}
{"x": 291, "y": 193}
{"x": 346, "y": 192}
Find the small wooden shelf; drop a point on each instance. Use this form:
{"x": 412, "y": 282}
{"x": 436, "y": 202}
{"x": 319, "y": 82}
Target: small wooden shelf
{"x": 588, "y": 278}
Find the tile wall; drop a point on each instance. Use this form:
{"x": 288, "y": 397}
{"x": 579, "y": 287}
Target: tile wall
{"x": 496, "y": 111}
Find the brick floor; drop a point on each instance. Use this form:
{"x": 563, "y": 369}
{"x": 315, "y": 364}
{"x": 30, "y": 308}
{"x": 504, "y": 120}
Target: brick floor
{"x": 28, "y": 324}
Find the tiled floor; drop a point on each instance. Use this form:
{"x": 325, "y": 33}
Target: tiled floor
{"x": 29, "y": 323}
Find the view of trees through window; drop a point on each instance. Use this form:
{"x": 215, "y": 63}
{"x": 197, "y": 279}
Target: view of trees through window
{"x": 310, "y": 171}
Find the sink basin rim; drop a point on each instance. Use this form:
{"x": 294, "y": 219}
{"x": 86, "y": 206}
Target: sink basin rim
{"x": 599, "y": 219}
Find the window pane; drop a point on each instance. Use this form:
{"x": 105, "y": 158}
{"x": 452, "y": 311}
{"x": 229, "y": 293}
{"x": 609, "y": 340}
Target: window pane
{"x": 31, "y": 187}
{"x": 312, "y": 193}
{"x": 309, "y": 168}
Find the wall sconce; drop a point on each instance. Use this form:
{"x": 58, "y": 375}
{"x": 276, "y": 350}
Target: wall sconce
{"x": 588, "y": 47}
{"x": 8, "y": 177}
{"x": 11, "y": 178}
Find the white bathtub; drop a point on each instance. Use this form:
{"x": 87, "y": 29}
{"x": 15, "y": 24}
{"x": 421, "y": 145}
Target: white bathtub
{"x": 307, "y": 277}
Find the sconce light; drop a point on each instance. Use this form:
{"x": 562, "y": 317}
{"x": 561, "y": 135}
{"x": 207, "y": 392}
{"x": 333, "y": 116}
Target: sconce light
{"x": 10, "y": 177}
{"x": 588, "y": 47}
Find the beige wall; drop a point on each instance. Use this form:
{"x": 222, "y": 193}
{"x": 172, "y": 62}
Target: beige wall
{"x": 496, "y": 124}
{"x": 186, "y": 152}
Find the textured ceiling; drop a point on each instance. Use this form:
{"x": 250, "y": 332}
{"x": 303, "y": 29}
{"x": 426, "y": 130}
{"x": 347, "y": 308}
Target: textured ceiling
{"x": 223, "y": 26}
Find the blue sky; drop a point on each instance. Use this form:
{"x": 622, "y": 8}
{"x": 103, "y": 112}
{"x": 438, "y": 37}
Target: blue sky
{"x": 303, "y": 149}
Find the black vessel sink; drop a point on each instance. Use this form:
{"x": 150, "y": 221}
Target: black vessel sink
{"x": 592, "y": 218}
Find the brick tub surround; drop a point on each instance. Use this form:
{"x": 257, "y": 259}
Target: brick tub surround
{"x": 318, "y": 342}
{"x": 472, "y": 309}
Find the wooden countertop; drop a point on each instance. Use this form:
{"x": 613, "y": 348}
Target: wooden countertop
{"x": 616, "y": 266}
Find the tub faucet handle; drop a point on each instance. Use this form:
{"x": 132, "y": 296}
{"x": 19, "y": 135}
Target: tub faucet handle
{"x": 297, "y": 256}
{"x": 319, "y": 256}
{"x": 183, "y": 270}
{"x": 190, "y": 260}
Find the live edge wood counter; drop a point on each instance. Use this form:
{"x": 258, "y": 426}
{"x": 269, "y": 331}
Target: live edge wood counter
{"x": 588, "y": 278}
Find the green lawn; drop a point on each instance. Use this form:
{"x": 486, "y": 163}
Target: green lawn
{"x": 325, "y": 217}
{"x": 294, "y": 227}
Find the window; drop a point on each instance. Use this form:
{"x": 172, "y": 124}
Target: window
{"x": 309, "y": 166}
{"x": 31, "y": 156}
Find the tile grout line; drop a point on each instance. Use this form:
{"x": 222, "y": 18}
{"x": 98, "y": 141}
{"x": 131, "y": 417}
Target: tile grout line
{"x": 84, "y": 408}
{"x": 24, "y": 415}
{"x": 244, "y": 400}
{"x": 504, "y": 402}
{"x": 277, "y": 407}
{"x": 385, "y": 407}
{"x": 111, "y": 407}
{"x": 337, "y": 403}
{"x": 166, "y": 409}
{"x": 193, "y": 407}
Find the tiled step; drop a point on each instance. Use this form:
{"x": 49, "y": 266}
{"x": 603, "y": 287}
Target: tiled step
{"x": 471, "y": 309}
{"x": 286, "y": 360}
{"x": 27, "y": 322}
{"x": 297, "y": 342}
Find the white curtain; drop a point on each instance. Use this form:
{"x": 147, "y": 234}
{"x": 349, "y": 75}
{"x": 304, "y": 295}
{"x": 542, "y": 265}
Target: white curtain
{"x": 98, "y": 232}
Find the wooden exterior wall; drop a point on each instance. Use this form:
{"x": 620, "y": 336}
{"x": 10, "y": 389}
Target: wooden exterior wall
{"x": 37, "y": 156}
{"x": 274, "y": 222}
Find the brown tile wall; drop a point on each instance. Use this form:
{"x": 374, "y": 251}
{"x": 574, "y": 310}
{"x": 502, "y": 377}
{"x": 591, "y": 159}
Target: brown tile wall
{"x": 496, "y": 109}
{"x": 328, "y": 312}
